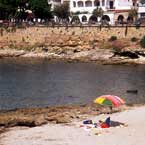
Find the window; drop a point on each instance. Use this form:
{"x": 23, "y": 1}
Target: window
{"x": 84, "y": 19}
{"x": 103, "y": 3}
{"x": 97, "y": 3}
{"x": 88, "y": 4}
{"x": 74, "y": 4}
{"x": 80, "y": 4}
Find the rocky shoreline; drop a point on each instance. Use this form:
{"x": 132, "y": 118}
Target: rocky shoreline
{"x": 31, "y": 117}
{"x": 99, "y": 56}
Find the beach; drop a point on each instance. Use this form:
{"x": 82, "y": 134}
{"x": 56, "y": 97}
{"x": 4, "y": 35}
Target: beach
{"x": 132, "y": 133}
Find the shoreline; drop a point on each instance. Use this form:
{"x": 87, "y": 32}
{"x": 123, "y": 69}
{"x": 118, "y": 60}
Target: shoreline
{"x": 84, "y": 56}
{"x": 70, "y": 133}
{"x": 32, "y": 117}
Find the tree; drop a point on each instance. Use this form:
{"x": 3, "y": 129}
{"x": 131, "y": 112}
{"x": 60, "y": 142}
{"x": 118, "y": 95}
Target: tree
{"x": 98, "y": 12}
{"x": 62, "y": 11}
{"x": 41, "y": 8}
{"x": 142, "y": 42}
{"x": 9, "y": 8}
{"x": 133, "y": 14}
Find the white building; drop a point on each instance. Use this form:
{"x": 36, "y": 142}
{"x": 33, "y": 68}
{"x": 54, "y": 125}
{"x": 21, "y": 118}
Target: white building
{"x": 114, "y": 10}
{"x": 141, "y": 11}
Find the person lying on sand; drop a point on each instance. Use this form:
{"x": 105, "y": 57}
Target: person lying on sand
{"x": 109, "y": 123}
{"x": 105, "y": 124}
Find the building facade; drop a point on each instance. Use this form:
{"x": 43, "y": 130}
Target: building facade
{"x": 114, "y": 11}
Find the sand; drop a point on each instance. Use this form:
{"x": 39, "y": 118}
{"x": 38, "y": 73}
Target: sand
{"x": 72, "y": 134}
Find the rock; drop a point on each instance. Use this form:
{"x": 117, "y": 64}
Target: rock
{"x": 59, "y": 119}
{"x": 101, "y": 54}
{"x": 129, "y": 54}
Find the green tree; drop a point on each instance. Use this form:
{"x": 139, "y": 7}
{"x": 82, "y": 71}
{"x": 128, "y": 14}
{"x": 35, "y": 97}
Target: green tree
{"x": 9, "y": 8}
{"x": 98, "y": 12}
{"x": 133, "y": 14}
{"x": 62, "y": 11}
{"x": 142, "y": 42}
{"x": 41, "y": 8}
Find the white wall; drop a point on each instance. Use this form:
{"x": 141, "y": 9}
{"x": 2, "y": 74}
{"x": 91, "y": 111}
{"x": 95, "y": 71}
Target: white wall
{"x": 123, "y": 4}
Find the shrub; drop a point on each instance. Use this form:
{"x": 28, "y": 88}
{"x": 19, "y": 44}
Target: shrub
{"x": 113, "y": 38}
{"x": 142, "y": 42}
{"x": 133, "y": 39}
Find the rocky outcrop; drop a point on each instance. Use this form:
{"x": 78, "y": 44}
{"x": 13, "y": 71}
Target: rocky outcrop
{"x": 39, "y": 116}
{"x": 74, "y": 44}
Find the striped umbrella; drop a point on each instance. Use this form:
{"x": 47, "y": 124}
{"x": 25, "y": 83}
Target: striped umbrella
{"x": 109, "y": 100}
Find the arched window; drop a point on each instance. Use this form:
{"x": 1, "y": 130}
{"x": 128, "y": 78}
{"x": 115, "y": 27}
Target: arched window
{"x": 97, "y": 3}
{"x": 75, "y": 20}
{"x": 120, "y": 18}
{"x": 74, "y": 4}
{"x": 84, "y": 19}
{"x": 130, "y": 19}
{"x": 88, "y": 4}
{"x": 106, "y": 18}
{"x": 93, "y": 19}
{"x": 80, "y": 4}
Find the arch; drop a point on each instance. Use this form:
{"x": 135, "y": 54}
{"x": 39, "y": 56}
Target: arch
{"x": 80, "y": 4}
{"x": 74, "y": 4}
{"x": 93, "y": 19}
{"x": 106, "y": 18}
{"x": 84, "y": 18}
{"x": 120, "y": 19}
{"x": 75, "y": 20}
{"x": 97, "y": 3}
{"x": 88, "y": 4}
{"x": 129, "y": 19}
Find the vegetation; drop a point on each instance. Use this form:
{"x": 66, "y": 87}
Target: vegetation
{"x": 133, "y": 14}
{"x": 98, "y": 12}
{"x": 16, "y": 9}
{"x": 142, "y": 42}
{"x": 62, "y": 12}
{"x": 133, "y": 39}
{"x": 41, "y": 8}
{"x": 113, "y": 38}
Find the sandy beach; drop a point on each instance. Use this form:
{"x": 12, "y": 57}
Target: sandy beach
{"x": 72, "y": 134}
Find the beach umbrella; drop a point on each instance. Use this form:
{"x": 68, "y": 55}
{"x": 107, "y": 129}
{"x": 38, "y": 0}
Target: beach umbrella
{"x": 109, "y": 100}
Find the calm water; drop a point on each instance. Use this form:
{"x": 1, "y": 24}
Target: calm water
{"x": 35, "y": 83}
